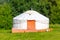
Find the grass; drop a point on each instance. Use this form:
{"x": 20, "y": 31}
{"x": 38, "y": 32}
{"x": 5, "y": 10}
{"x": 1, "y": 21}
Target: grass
{"x": 53, "y": 35}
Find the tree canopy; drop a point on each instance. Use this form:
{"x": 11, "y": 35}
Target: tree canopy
{"x": 12, "y": 8}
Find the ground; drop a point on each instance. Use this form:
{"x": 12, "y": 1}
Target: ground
{"x": 53, "y": 35}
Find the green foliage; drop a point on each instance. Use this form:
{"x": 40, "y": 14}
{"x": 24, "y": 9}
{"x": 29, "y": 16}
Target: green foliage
{"x": 41, "y": 6}
{"x": 49, "y": 8}
{"x": 54, "y": 11}
{"x": 12, "y": 8}
{"x": 5, "y": 15}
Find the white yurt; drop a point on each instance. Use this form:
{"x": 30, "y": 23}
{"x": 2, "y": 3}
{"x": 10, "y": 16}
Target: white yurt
{"x": 30, "y": 21}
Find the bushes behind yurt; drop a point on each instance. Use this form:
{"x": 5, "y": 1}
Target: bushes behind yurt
{"x": 49, "y": 8}
{"x": 12, "y": 8}
{"x": 5, "y": 16}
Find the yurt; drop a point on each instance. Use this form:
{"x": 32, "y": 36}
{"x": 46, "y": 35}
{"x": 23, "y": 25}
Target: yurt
{"x": 30, "y": 21}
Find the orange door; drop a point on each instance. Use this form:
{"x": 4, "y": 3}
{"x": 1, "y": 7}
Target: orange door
{"x": 31, "y": 24}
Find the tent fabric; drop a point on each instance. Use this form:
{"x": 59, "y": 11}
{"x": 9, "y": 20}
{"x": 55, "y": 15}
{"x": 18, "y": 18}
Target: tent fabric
{"x": 32, "y": 15}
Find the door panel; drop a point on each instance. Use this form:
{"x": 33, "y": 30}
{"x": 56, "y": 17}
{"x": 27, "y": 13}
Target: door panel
{"x": 31, "y": 24}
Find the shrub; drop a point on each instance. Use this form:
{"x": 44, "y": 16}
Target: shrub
{"x": 5, "y": 16}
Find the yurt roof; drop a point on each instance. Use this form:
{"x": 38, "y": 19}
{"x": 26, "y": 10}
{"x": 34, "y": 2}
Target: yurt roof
{"x": 31, "y": 15}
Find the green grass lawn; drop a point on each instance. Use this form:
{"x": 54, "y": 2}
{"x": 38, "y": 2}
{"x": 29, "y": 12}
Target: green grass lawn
{"x": 53, "y": 35}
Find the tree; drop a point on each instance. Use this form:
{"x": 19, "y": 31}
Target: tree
{"x": 54, "y": 11}
{"x": 5, "y": 16}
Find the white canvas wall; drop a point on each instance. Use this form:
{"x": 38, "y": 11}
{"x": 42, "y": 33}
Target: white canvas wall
{"x": 40, "y": 26}
{"x": 20, "y": 24}
{"x": 23, "y": 24}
